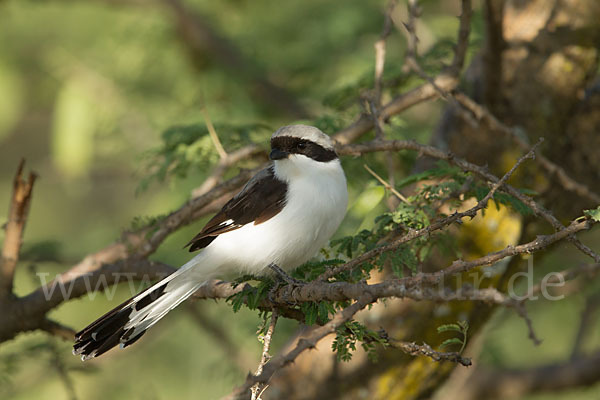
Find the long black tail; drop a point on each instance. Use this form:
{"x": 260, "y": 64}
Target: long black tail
{"x": 110, "y": 330}
{"x": 126, "y": 323}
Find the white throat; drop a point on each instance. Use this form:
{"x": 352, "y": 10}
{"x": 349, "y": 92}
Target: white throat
{"x": 298, "y": 166}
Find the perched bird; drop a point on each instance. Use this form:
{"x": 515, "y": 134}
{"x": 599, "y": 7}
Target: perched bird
{"x": 284, "y": 215}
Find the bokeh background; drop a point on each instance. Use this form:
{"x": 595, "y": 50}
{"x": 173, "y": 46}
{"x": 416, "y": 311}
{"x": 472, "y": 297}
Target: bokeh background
{"x": 89, "y": 95}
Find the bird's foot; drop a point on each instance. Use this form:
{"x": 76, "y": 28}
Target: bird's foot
{"x": 281, "y": 277}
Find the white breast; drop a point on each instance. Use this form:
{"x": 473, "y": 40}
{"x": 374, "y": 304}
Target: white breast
{"x": 316, "y": 204}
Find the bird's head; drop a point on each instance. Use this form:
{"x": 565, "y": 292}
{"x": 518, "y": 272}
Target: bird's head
{"x": 302, "y": 149}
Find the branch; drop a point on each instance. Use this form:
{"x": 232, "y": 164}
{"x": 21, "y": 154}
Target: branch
{"x": 425, "y": 350}
{"x": 231, "y": 159}
{"x": 484, "y": 115}
{"x": 213, "y": 134}
{"x": 386, "y": 184}
{"x": 17, "y": 216}
{"x": 73, "y": 284}
{"x": 373, "y": 146}
{"x": 304, "y": 343}
{"x": 258, "y": 388}
{"x": 58, "y": 330}
{"x": 419, "y": 287}
{"x": 446, "y": 80}
{"x": 380, "y": 49}
{"x": 413, "y": 234}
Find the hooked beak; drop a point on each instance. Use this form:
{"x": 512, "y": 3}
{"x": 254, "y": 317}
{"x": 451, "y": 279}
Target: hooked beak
{"x": 277, "y": 154}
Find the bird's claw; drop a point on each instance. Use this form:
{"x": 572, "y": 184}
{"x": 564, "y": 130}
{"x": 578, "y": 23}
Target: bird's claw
{"x": 281, "y": 277}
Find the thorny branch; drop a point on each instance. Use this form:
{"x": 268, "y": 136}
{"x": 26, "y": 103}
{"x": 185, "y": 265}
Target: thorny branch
{"x": 413, "y": 234}
{"x": 425, "y": 350}
{"x": 481, "y": 172}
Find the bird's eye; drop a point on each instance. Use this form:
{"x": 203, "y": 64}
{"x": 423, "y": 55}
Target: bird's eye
{"x": 301, "y": 146}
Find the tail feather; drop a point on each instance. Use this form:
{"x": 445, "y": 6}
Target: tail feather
{"x": 127, "y": 322}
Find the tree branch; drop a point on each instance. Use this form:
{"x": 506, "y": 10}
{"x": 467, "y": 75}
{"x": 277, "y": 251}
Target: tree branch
{"x": 258, "y": 388}
{"x": 483, "y": 115}
{"x": 413, "y": 234}
{"x": 17, "y": 216}
{"x": 425, "y": 350}
{"x": 446, "y": 80}
{"x": 304, "y": 343}
{"x": 419, "y": 287}
{"x": 368, "y": 147}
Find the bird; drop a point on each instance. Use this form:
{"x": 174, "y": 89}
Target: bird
{"x": 282, "y": 217}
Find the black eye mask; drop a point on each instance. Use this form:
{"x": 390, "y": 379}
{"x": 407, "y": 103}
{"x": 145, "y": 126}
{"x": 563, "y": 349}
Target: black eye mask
{"x": 294, "y": 145}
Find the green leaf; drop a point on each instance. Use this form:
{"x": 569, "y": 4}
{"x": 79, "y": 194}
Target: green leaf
{"x": 449, "y": 327}
{"x": 449, "y": 342}
{"x": 310, "y": 311}
{"x": 594, "y": 214}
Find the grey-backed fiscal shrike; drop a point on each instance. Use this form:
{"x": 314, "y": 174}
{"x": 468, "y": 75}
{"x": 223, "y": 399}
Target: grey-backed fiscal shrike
{"x": 283, "y": 216}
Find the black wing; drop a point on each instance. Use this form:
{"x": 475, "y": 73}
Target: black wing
{"x": 260, "y": 200}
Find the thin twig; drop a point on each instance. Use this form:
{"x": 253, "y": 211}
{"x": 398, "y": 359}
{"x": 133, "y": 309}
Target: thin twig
{"x": 386, "y": 184}
{"x": 447, "y": 80}
{"x": 258, "y": 388}
{"x": 380, "y": 45}
{"x": 482, "y": 114}
{"x": 303, "y": 343}
{"x": 17, "y": 216}
{"x": 376, "y": 116}
{"x": 224, "y": 164}
{"x": 522, "y": 311}
{"x": 57, "y": 329}
{"x": 482, "y": 172}
{"x": 411, "y": 61}
{"x": 213, "y": 134}
{"x": 411, "y": 28}
{"x": 413, "y": 234}
{"x": 425, "y": 350}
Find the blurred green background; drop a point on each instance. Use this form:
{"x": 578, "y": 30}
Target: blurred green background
{"x": 86, "y": 91}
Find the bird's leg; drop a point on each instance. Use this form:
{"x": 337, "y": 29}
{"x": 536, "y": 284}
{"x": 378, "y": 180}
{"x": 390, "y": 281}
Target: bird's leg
{"x": 281, "y": 276}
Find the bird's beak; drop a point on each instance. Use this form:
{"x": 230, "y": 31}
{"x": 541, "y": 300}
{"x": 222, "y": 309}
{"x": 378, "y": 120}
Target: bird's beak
{"x": 277, "y": 154}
